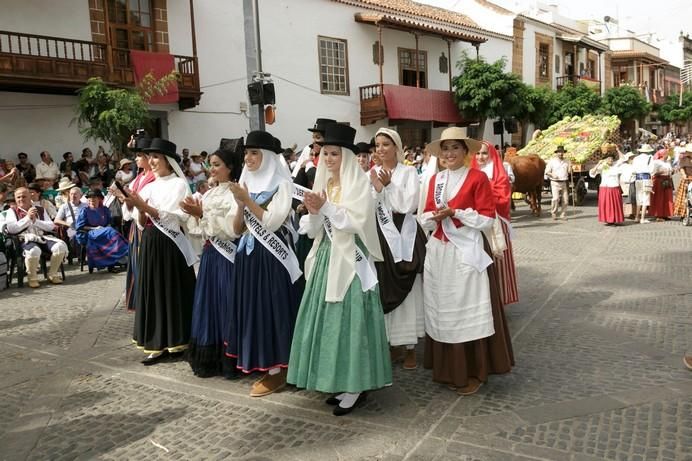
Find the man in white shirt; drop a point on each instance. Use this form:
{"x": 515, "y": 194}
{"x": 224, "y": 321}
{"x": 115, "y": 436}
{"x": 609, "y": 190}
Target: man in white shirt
{"x": 31, "y": 223}
{"x": 643, "y": 166}
{"x": 47, "y": 168}
{"x": 557, "y": 170}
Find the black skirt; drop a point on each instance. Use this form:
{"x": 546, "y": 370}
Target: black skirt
{"x": 396, "y": 279}
{"x": 164, "y": 295}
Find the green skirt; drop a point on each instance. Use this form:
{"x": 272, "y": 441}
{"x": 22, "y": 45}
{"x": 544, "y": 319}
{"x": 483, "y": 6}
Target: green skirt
{"x": 339, "y": 347}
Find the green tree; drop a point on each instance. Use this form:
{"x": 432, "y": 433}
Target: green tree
{"x": 573, "y": 100}
{"x": 485, "y": 90}
{"x": 540, "y": 105}
{"x": 626, "y": 102}
{"x": 111, "y": 115}
{"x": 671, "y": 111}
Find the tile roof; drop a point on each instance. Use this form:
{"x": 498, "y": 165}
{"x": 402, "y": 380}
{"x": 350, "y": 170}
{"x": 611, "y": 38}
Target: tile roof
{"x": 404, "y": 23}
{"x": 630, "y": 54}
{"x": 419, "y": 10}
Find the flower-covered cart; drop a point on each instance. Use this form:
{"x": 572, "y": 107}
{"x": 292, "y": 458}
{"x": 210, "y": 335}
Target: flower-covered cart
{"x": 584, "y": 139}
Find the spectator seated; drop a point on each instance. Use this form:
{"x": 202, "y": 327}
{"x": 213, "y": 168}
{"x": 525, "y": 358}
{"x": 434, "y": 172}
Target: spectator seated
{"x": 105, "y": 247}
{"x": 28, "y": 227}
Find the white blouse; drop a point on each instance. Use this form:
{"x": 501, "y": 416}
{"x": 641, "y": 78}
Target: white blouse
{"x": 401, "y": 195}
{"x": 165, "y": 194}
{"x": 610, "y": 175}
{"x": 218, "y": 210}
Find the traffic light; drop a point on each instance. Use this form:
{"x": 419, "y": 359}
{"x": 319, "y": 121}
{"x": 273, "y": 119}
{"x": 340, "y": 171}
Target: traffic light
{"x": 261, "y": 93}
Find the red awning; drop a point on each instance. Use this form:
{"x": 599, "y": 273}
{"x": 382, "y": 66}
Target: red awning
{"x": 159, "y": 64}
{"x": 411, "y": 103}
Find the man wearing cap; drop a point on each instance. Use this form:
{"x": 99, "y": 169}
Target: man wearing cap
{"x": 557, "y": 170}
{"x": 27, "y": 169}
{"x": 643, "y": 167}
{"x": 31, "y": 224}
{"x": 68, "y": 212}
{"x": 47, "y": 168}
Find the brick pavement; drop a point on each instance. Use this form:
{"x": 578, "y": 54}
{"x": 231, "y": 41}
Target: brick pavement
{"x": 603, "y": 321}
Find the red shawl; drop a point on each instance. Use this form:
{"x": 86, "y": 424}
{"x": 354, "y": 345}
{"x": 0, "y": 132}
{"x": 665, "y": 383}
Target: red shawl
{"x": 142, "y": 180}
{"x": 502, "y": 189}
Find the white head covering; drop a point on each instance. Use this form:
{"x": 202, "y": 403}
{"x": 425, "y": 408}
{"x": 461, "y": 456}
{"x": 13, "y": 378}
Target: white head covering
{"x": 302, "y": 158}
{"x": 357, "y": 200}
{"x": 397, "y": 140}
{"x": 175, "y": 167}
{"x": 270, "y": 173}
{"x": 430, "y": 170}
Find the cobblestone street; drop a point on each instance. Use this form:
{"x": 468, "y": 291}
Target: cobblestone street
{"x": 599, "y": 335}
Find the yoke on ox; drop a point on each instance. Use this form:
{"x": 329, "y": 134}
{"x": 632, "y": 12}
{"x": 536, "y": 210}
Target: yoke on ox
{"x": 528, "y": 179}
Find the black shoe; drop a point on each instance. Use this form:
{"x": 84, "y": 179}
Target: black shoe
{"x": 176, "y": 355}
{"x": 154, "y": 360}
{"x": 341, "y": 411}
{"x": 332, "y": 400}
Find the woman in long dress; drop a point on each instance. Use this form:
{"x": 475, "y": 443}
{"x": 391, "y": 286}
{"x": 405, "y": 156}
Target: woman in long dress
{"x": 467, "y": 335}
{"x": 340, "y": 343}
{"x": 144, "y": 177}
{"x": 211, "y": 221}
{"x": 264, "y": 301}
{"x": 396, "y": 189}
{"x": 105, "y": 247}
{"x": 166, "y": 279}
{"x": 610, "y": 209}
{"x": 662, "y": 193}
{"x": 489, "y": 162}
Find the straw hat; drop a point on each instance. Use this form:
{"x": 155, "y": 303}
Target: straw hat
{"x": 454, "y": 133}
{"x": 645, "y": 149}
{"x": 124, "y": 162}
{"x": 65, "y": 184}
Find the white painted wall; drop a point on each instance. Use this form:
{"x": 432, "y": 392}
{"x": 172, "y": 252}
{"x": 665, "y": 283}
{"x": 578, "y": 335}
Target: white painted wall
{"x": 64, "y": 18}
{"x": 32, "y": 123}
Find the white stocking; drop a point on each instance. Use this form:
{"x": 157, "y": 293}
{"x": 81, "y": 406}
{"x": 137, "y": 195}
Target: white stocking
{"x": 348, "y": 399}
{"x": 273, "y": 371}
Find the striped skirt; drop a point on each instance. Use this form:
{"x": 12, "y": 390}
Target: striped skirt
{"x": 680, "y": 204}
{"x": 507, "y": 271}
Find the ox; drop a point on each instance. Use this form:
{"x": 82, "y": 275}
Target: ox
{"x": 528, "y": 179}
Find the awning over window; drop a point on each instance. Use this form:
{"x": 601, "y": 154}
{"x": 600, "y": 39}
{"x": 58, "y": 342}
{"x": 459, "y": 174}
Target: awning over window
{"x": 422, "y": 104}
{"x": 159, "y": 64}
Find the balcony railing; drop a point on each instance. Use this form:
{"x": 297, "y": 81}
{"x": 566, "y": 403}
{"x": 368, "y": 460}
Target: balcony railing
{"x": 53, "y": 64}
{"x": 574, "y": 79}
{"x": 372, "y": 104}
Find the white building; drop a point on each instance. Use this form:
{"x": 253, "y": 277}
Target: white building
{"x": 320, "y": 54}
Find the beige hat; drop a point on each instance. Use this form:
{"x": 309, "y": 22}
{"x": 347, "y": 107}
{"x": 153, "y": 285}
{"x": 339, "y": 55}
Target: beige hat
{"x": 628, "y": 156}
{"x": 454, "y": 133}
{"x": 65, "y": 184}
{"x": 124, "y": 162}
{"x": 645, "y": 149}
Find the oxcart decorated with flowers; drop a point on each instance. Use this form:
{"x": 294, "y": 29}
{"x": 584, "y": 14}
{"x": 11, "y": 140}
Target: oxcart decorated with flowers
{"x": 586, "y": 139}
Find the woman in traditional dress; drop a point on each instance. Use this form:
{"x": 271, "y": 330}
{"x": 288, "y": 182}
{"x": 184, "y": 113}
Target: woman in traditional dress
{"x": 396, "y": 189}
{"x": 340, "y": 342}
{"x": 489, "y": 162}
{"x": 264, "y": 301}
{"x": 610, "y": 210}
{"x": 165, "y": 279}
{"x": 144, "y": 177}
{"x": 211, "y": 221}
{"x": 685, "y": 165}
{"x": 105, "y": 247}
{"x": 467, "y": 335}
{"x": 662, "y": 196}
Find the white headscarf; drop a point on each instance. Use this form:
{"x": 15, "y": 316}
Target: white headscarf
{"x": 357, "y": 200}
{"x": 427, "y": 174}
{"x": 397, "y": 141}
{"x": 302, "y": 158}
{"x": 174, "y": 166}
{"x": 270, "y": 173}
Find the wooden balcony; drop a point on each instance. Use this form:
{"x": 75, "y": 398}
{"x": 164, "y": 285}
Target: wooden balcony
{"x": 372, "y": 104}
{"x": 44, "y": 64}
{"x": 592, "y": 83}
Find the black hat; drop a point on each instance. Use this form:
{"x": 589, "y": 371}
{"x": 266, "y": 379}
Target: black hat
{"x": 338, "y": 134}
{"x": 142, "y": 142}
{"x": 261, "y": 140}
{"x": 363, "y": 148}
{"x": 231, "y": 154}
{"x": 277, "y": 146}
{"x": 96, "y": 193}
{"x": 560, "y": 149}
{"x": 34, "y": 186}
{"x": 321, "y": 125}
{"x": 22, "y": 155}
{"x": 163, "y": 146}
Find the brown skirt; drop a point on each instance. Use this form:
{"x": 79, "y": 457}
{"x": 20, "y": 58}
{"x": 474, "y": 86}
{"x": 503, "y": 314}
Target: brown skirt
{"x": 396, "y": 279}
{"x": 454, "y": 364}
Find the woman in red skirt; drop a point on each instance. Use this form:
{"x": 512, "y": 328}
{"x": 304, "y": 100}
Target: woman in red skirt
{"x": 609, "y": 193}
{"x": 662, "y": 199}
{"x": 488, "y": 160}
